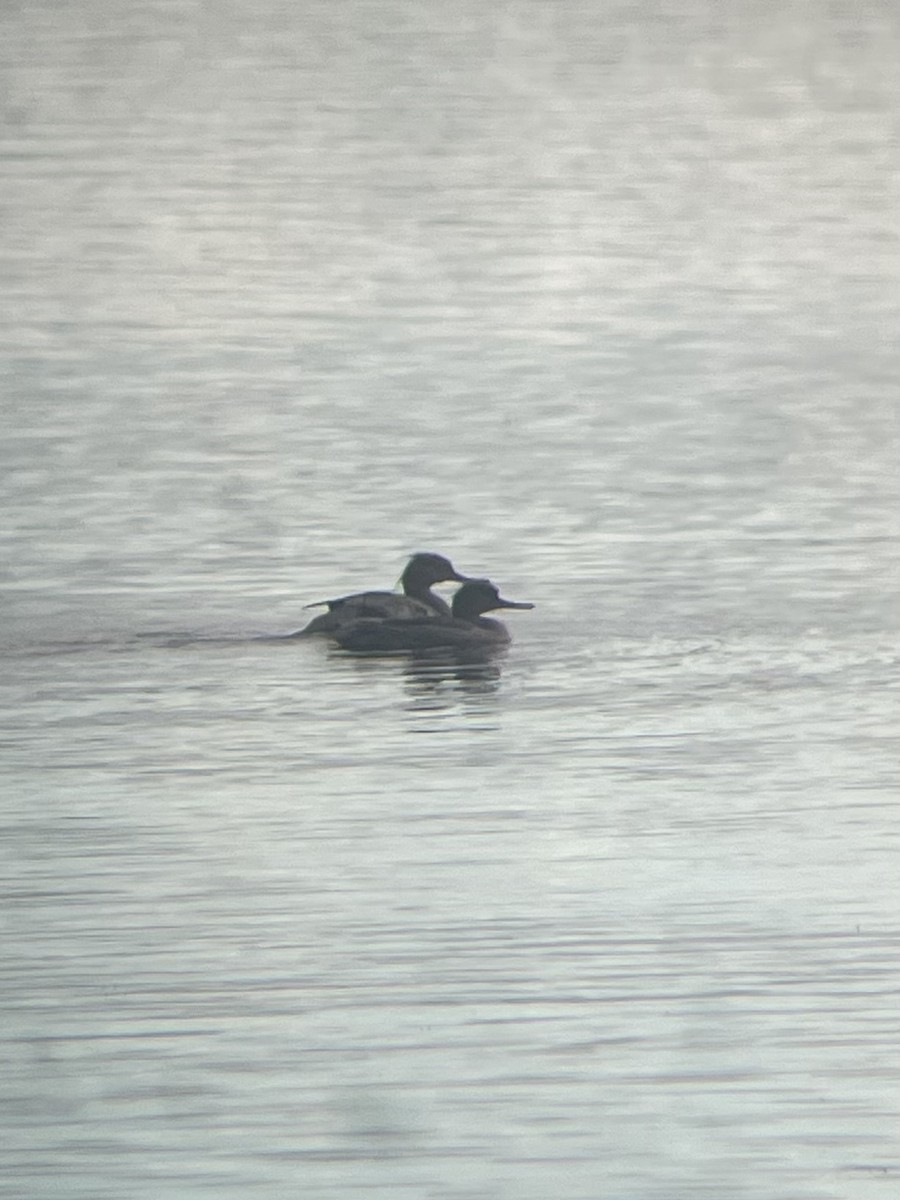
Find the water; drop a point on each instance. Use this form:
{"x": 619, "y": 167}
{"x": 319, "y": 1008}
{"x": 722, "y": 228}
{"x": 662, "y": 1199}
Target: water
{"x": 600, "y": 303}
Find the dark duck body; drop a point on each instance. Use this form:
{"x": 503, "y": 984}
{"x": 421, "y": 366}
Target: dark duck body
{"x": 466, "y": 629}
{"x": 418, "y": 601}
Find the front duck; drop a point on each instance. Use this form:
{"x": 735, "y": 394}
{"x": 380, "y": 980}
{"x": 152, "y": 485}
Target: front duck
{"x": 466, "y": 629}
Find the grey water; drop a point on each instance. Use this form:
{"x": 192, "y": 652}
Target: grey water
{"x": 600, "y": 301}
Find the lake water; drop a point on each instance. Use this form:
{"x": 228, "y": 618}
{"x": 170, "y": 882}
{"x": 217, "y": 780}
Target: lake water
{"x": 600, "y": 301}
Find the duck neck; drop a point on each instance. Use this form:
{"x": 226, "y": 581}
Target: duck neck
{"x": 427, "y": 596}
{"x": 419, "y": 588}
{"x": 466, "y": 609}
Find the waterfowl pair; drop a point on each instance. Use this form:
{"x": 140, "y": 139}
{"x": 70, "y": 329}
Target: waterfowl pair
{"x": 387, "y": 622}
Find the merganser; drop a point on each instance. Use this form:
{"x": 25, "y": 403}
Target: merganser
{"x": 465, "y": 629}
{"x": 417, "y": 602}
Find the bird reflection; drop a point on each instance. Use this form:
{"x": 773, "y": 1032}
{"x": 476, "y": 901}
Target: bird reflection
{"x": 431, "y": 682}
{"x": 434, "y": 679}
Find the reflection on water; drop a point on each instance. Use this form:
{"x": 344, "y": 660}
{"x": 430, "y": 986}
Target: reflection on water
{"x": 428, "y": 683}
{"x": 431, "y": 679}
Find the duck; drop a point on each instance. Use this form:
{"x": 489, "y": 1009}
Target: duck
{"x": 418, "y": 601}
{"x": 466, "y": 629}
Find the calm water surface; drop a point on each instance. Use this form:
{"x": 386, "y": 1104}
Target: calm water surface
{"x": 600, "y": 302}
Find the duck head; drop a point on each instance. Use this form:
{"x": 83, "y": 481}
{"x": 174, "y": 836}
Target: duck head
{"x": 479, "y": 596}
{"x": 423, "y": 570}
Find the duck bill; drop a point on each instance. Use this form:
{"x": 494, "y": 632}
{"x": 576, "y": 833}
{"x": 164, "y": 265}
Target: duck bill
{"x": 501, "y": 603}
